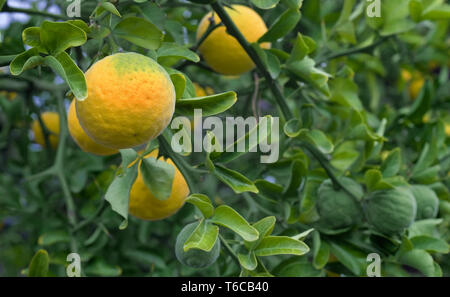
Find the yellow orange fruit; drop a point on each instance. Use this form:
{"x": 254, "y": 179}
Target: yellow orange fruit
{"x": 144, "y": 205}
{"x": 51, "y": 122}
{"x": 82, "y": 139}
{"x": 415, "y": 87}
{"x": 221, "y": 51}
{"x": 447, "y": 129}
{"x": 131, "y": 100}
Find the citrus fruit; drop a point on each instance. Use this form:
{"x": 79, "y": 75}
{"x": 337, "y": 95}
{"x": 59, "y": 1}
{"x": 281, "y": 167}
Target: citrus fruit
{"x": 427, "y": 202}
{"x": 131, "y": 100}
{"x": 144, "y": 205}
{"x": 51, "y": 122}
{"x": 415, "y": 87}
{"x": 337, "y": 209}
{"x": 195, "y": 257}
{"x": 391, "y": 211}
{"x": 82, "y": 139}
{"x": 221, "y": 51}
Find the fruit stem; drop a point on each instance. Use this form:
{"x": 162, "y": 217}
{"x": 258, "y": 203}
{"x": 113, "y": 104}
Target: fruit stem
{"x": 353, "y": 51}
{"x": 8, "y": 8}
{"x": 234, "y": 31}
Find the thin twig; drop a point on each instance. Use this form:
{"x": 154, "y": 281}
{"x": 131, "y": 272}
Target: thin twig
{"x": 273, "y": 85}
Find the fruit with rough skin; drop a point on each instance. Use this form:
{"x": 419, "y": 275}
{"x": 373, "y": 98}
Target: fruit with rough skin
{"x": 427, "y": 202}
{"x": 131, "y": 100}
{"x": 337, "y": 209}
{"x": 82, "y": 139}
{"x": 51, "y": 122}
{"x": 391, "y": 211}
{"x": 221, "y": 51}
{"x": 195, "y": 258}
{"x": 144, "y": 205}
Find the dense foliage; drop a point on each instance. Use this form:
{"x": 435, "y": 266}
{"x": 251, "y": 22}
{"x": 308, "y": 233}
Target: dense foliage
{"x": 364, "y": 161}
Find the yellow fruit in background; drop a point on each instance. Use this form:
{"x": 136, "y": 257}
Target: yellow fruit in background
{"x": 51, "y": 122}
{"x": 221, "y": 51}
{"x": 406, "y": 75}
{"x": 144, "y": 205}
{"x": 10, "y": 95}
{"x": 81, "y": 138}
{"x": 131, "y": 100}
{"x": 202, "y": 91}
{"x": 447, "y": 129}
{"x": 415, "y": 87}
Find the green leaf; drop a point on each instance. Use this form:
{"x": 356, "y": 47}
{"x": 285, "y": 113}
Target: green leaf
{"x": 441, "y": 12}
{"x": 420, "y": 260}
{"x": 118, "y": 192}
{"x": 52, "y": 237}
{"x": 158, "y": 177}
{"x": 415, "y": 10}
{"x": 422, "y": 104}
{"x": 169, "y": 49}
{"x": 24, "y": 61}
{"x": 305, "y": 70}
{"x": 248, "y": 261}
{"x": 229, "y": 218}
{"x": 65, "y": 67}
{"x": 345, "y": 92}
{"x": 108, "y": 6}
{"x": 80, "y": 24}
{"x": 179, "y": 82}
{"x": 32, "y": 36}
{"x": 210, "y": 105}
{"x": 300, "y": 49}
{"x": 321, "y": 251}
{"x": 351, "y": 258}
{"x": 282, "y": 26}
{"x": 319, "y": 139}
{"x": 297, "y": 176}
{"x": 303, "y": 234}
{"x": 39, "y": 264}
{"x": 371, "y": 178}
{"x": 70, "y": 72}
{"x": 203, "y": 203}
{"x": 430, "y": 244}
{"x": 101, "y": 268}
{"x": 139, "y": 31}
{"x": 264, "y": 227}
{"x": 2, "y": 2}
{"x": 265, "y": 4}
{"x": 204, "y": 237}
{"x": 426, "y": 158}
{"x": 294, "y": 4}
{"x": 293, "y": 128}
{"x": 280, "y": 245}
{"x": 268, "y": 189}
{"x": 56, "y": 37}
{"x": 238, "y": 182}
{"x": 391, "y": 166}
{"x": 145, "y": 257}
